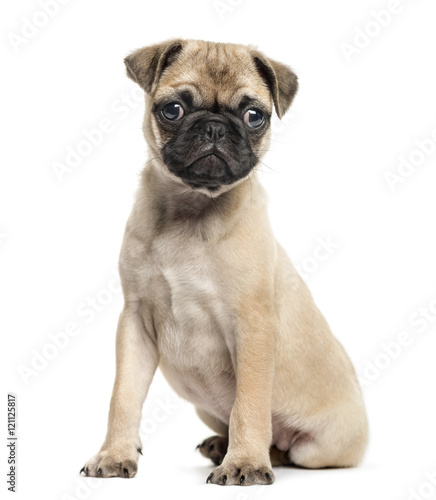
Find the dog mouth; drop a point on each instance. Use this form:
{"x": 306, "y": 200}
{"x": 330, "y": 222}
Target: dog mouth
{"x": 209, "y": 171}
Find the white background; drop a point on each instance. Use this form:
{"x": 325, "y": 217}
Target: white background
{"x": 59, "y": 239}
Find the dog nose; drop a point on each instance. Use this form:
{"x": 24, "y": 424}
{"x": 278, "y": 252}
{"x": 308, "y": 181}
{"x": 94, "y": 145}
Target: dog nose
{"x": 215, "y": 131}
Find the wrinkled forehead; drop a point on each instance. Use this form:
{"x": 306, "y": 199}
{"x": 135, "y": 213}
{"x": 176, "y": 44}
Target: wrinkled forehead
{"x": 214, "y": 74}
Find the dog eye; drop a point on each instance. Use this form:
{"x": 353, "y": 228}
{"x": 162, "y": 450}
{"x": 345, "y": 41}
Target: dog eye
{"x": 173, "y": 111}
{"x": 254, "y": 118}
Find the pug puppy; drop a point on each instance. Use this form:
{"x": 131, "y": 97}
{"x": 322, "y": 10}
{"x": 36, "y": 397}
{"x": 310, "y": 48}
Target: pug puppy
{"x": 210, "y": 296}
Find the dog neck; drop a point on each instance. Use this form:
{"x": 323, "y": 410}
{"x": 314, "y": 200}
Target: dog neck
{"x": 172, "y": 203}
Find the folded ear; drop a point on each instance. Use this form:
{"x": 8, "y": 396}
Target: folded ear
{"x": 145, "y": 66}
{"x": 281, "y": 80}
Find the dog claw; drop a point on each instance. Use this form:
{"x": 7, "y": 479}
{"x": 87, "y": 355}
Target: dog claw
{"x": 209, "y": 478}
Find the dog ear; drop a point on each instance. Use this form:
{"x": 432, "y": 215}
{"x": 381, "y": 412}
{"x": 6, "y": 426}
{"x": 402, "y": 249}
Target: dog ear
{"x": 145, "y": 66}
{"x": 281, "y": 80}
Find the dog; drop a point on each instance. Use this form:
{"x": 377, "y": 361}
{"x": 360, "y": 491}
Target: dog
{"x": 210, "y": 296}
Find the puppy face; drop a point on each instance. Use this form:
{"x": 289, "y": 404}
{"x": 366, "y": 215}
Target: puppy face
{"x": 209, "y": 108}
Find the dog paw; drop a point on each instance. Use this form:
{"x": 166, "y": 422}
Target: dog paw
{"x": 214, "y": 448}
{"x": 241, "y": 474}
{"x": 113, "y": 462}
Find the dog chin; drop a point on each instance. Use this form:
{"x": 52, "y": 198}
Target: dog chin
{"x": 210, "y": 174}
{"x": 212, "y": 190}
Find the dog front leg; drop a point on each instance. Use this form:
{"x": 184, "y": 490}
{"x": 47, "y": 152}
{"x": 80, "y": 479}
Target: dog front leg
{"x": 250, "y": 433}
{"x": 137, "y": 360}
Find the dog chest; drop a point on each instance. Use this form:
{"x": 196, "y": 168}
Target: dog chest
{"x": 193, "y": 321}
{"x": 195, "y": 316}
